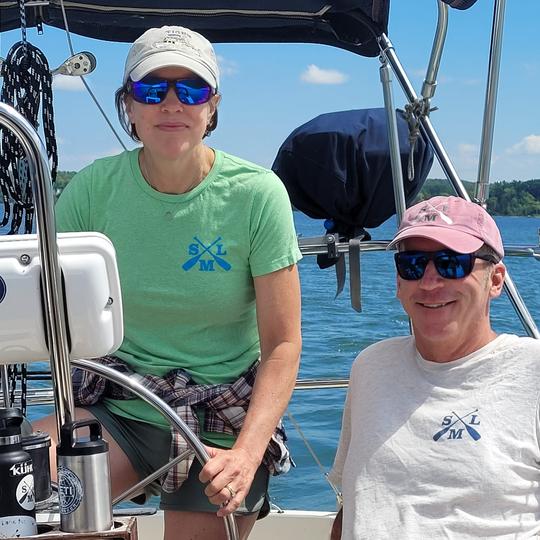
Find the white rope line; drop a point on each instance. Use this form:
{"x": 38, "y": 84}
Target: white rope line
{"x": 314, "y": 456}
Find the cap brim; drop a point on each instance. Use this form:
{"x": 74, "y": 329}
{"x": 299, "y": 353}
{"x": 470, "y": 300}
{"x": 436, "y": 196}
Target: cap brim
{"x": 171, "y": 59}
{"x": 451, "y": 238}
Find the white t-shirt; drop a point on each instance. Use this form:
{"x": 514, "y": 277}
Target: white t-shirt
{"x": 441, "y": 450}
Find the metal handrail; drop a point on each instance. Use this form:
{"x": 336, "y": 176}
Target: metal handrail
{"x": 388, "y": 49}
{"x": 320, "y": 384}
{"x": 317, "y": 245}
{"x": 4, "y": 378}
{"x": 430, "y": 82}
{"x": 143, "y": 393}
{"x": 488, "y": 126}
{"x": 54, "y": 309}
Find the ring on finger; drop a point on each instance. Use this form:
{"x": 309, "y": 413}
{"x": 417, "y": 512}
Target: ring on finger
{"x": 231, "y": 491}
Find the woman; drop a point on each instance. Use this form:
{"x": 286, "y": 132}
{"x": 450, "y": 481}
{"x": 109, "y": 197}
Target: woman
{"x": 207, "y": 256}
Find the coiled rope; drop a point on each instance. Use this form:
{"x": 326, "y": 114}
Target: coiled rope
{"x": 27, "y": 84}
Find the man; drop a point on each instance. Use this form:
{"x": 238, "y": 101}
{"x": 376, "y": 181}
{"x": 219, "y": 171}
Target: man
{"x": 440, "y": 435}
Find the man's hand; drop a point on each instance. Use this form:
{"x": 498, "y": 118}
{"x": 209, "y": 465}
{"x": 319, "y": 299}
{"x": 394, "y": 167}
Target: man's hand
{"x": 229, "y": 474}
{"x": 336, "y": 527}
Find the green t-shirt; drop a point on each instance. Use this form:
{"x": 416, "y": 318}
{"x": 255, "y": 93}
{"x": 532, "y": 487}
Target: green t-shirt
{"x": 186, "y": 263}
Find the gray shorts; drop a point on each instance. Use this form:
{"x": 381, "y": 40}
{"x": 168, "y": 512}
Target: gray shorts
{"x": 148, "y": 448}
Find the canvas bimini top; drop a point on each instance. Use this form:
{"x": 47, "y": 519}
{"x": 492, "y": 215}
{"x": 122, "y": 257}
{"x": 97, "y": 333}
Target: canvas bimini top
{"x": 353, "y": 25}
{"x": 347, "y": 24}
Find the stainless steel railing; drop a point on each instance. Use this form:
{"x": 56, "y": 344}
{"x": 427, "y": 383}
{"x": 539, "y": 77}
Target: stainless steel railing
{"x": 54, "y": 309}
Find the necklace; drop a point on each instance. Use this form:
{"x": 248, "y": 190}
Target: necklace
{"x": 146, "y": 176}
{"x": 168, "y": 208}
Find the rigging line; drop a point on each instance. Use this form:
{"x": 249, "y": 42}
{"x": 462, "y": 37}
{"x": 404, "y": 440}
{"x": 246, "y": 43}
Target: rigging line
{"x": 314, "y": 456}
{"x": 22, "y": 14}
{"x": 26, "y": 86}
{"x": 86, "y": 85}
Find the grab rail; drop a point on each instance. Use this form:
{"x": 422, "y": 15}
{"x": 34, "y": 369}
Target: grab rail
{"x": 55, "y": 323}
{"x": 317, "y": 245}
{"x": 488, "y": 125}
{"x": 174, "y": 420}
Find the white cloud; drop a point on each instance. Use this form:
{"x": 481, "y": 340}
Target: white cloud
{"x": 529, "y": 145}
{"x": 317, "y": 75}
{"x": 227, "y": 68}
{"x": 468, "y": 153}
{"x": 69, "y": 83}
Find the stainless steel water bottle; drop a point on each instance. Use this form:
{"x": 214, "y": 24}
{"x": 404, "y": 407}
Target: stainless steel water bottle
{"x": 84, "y": 486}
{"x": 17, "y": 500}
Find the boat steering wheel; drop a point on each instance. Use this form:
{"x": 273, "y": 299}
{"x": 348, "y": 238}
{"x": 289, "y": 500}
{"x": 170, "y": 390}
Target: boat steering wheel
{"x": 174, "y": 420}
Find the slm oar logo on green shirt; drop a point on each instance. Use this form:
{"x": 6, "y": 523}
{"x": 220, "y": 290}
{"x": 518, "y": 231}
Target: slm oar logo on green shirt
{"x": 206, "y": 257}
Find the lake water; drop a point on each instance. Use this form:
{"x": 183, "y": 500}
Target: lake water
{"x": 334, "y": 333}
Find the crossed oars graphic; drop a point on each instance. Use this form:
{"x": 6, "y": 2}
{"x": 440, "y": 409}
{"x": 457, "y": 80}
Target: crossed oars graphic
{"x": 190, "y": 263}
{"x": 29, "y": 494}
{"x": 470, "y": 430}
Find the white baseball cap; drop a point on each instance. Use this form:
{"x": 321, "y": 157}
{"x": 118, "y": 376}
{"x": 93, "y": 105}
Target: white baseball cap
{"x": 172, "y": 46}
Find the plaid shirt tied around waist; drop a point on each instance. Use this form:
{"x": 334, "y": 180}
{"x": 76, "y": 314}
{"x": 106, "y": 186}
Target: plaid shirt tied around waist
{"x": 225, "y": 408}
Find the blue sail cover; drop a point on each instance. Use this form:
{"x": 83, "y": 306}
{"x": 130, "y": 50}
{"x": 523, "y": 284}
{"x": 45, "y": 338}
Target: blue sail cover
{"x": 337, "y": 166}
{"x": 348, "y": 24}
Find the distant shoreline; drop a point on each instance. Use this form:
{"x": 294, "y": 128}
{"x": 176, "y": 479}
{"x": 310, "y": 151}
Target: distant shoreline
{"x": 515, "y": 198}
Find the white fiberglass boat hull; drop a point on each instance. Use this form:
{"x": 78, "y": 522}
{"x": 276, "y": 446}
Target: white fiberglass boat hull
{"x": 286, "y": 525}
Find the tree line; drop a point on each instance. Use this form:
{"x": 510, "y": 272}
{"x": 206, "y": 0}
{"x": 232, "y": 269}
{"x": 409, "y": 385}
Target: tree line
{"x": 514, "y": 198}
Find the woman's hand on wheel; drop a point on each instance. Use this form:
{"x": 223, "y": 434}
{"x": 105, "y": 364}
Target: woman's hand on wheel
{"x": 229, "y": 474}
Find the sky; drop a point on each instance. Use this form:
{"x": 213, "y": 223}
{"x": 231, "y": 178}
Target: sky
{"x": 268, "y": 90}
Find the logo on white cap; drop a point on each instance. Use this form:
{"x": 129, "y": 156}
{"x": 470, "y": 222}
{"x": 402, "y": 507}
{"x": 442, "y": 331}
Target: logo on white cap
{"x": 177, "y": 38}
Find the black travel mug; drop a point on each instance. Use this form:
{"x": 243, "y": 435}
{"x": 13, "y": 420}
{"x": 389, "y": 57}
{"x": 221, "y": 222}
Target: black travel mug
{"x": 17, "y": 498}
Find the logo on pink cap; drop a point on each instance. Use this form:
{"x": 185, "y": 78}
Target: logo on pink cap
{"x": 452, "y": 221}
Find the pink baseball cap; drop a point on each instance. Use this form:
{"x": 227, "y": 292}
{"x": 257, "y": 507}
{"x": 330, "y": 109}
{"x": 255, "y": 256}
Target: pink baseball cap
{"x": 458, "y": 224}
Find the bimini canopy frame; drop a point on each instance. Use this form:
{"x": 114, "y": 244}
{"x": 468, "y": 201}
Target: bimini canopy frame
{"x": 359, "y": 26}
{"x": 347, "y": 24}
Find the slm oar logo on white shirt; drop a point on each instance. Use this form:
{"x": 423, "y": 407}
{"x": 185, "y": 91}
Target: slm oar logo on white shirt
{"x": 454, "y": 426}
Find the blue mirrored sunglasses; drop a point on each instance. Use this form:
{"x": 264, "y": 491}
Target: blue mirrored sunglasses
{"x": 153, "y": 90}
{"x": 450, "y": 264}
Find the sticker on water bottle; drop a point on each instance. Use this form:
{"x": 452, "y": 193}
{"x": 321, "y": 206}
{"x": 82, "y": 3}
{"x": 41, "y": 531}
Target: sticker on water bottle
{"x": 25, "y": 492}
{"x": 70, "y": 491}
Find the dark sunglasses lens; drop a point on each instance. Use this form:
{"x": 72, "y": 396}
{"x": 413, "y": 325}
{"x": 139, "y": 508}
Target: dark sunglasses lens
{"x": 149, "y": 92}
{"x": 193, "y": 91}
{"x": 410, "y": 266}
{"x": 454, "y": 265}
